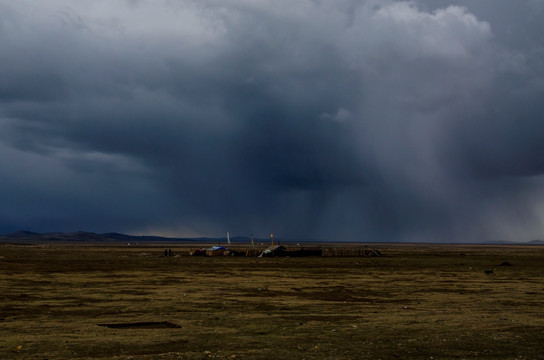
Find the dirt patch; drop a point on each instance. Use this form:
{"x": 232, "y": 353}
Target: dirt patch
{"x": 142, "y": 325}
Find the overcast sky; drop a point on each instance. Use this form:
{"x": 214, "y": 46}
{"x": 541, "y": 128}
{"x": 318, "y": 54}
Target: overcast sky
{"x": 337, "y": 120}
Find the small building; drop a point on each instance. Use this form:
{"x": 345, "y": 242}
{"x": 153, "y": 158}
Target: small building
{"x": 275, "y": 250}
{"x": 216, "y": 251}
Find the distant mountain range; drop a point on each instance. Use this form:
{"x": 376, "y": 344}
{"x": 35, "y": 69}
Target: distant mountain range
{"x": 499, "y": 242}
{"x": 79, "y": 236}
{"x": 85, "y": 236}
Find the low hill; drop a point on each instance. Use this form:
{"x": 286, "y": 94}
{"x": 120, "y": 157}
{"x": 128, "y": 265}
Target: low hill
{"x": 80, "y": 236}
{"x": 24, "y": 236}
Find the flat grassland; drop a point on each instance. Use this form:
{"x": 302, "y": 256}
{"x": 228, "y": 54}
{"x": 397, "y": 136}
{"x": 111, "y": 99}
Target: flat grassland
{"x": 64, "y": 301}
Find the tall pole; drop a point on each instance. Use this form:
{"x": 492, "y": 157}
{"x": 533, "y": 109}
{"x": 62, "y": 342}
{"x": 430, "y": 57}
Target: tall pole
{"x": 272, "y": 238}
{"x": 252, "y": 243}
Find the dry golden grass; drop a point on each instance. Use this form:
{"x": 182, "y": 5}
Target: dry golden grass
{"x": 415, "y": 302}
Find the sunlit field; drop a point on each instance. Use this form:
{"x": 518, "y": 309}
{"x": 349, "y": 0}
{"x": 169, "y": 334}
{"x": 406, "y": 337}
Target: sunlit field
{"x": 414, "y": 302}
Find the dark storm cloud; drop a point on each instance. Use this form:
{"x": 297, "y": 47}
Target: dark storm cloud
{"x": 370, "y": 120}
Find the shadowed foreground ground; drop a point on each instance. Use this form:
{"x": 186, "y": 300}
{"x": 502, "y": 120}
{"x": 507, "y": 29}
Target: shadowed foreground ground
{"x": 415, "y": 302}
